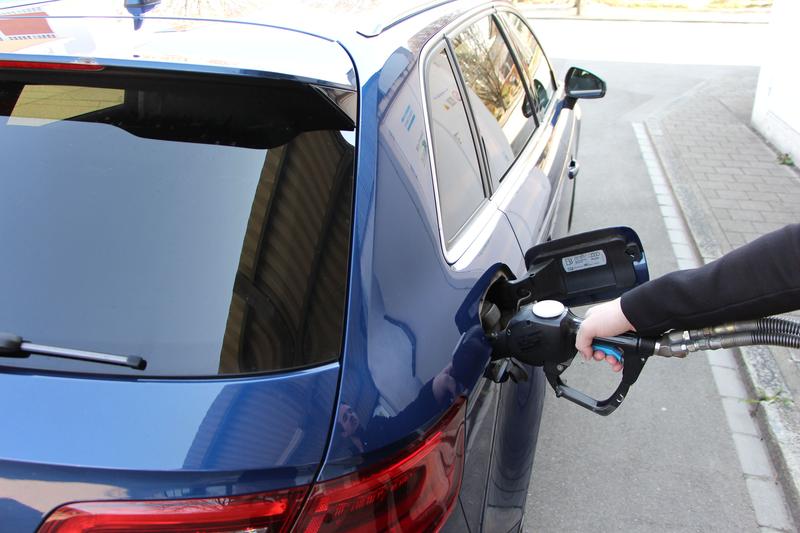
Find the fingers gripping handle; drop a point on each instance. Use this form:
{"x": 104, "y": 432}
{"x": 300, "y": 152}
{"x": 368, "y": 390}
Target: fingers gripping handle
{"x": 614, "y": 352}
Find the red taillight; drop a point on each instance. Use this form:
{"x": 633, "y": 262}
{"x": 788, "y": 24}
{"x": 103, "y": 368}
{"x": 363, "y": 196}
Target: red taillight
{"x": 272, "y": 511}
{"x": 49, "y": 65}
{"x": 414, "y": 492}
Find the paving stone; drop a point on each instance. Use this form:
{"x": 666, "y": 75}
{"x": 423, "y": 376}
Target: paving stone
{"x": 736, "y": 239}
{"x": 748, "y": 214}
{"x": 716, "y": 176}
{"x": 755, "y": 205}
{"x": 753, "y": 236}
{"x": 673, "y": 222}
{"x": 666, "y": 200}
{"x": 722, "y": 214}
{"x": 766, "y": 227}
{"x": 772, "y": 197}
{"x": 780, "y": 217}
{"x": 743, "y": 186}
{"x": 783, "y": 170}
{"x": 728, "y": 382}
{"x": 678, "y": 237}
{"x": 768, "y": 504}
{"x": 669, "y": 211}
{"x": 739, "y": 418}
{"x": 662, "y": 189}
{"x": 752, "y": 455}
{"x": 739, "y": 226}
{"x": 685, "y": 263}
{"x": 749, "y": 178}
{"x": 682, "y": 251}
{"x": 710, "y": 185}
{"x": 723, "y": 202}
{"x": 735, "y": 195}
{"x": 722, "y": 358}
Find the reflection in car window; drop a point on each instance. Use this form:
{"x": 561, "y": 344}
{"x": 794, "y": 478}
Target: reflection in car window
{"x": 496, "y": 93}
{"x": 536, "y": 65}
{"x": 457, "y": 174}
{"x": 204, "y": 227}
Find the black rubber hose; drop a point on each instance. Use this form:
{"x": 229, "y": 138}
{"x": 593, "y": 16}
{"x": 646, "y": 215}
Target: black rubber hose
{"x": 776, "y": 339}
{"x": 750, "y": 338}
{"x": 773, "y": 324}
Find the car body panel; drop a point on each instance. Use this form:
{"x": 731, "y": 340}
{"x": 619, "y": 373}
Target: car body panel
{"x": 78, "y": 438}
{"x": 395, "y": 347}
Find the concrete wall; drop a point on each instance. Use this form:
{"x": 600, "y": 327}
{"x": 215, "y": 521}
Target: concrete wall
{"x": 776, "y": 111}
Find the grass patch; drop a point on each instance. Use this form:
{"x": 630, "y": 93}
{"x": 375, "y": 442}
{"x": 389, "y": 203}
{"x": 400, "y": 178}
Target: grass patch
{"x": 777, "y": 398}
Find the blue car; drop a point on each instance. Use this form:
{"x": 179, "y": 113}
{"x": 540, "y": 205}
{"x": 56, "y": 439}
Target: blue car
{"x": 247, "y": 261}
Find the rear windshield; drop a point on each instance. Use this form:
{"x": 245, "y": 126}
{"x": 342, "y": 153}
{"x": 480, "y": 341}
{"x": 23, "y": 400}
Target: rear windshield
{"x": 202, "y": 224}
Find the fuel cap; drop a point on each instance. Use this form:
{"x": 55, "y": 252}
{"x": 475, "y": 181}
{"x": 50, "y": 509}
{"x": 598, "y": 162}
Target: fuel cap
{"x": 548, "y": 309}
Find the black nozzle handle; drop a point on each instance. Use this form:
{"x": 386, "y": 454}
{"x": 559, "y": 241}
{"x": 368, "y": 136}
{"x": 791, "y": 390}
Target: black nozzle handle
{"x": 635, "y": 352}
{"x": 601, "y": 407}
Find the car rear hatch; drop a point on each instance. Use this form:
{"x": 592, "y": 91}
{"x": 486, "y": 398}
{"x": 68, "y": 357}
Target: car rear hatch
{"x": 191, "y": 211}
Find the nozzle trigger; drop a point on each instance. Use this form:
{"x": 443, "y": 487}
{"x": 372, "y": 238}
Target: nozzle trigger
{"x": 613, "y": 351}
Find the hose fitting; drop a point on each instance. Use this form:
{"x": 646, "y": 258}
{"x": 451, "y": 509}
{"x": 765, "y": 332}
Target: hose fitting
{"x": 770, "y": 330}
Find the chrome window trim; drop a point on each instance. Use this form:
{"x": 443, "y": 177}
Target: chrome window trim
{"x": 532, "y": 151}
{"x": 557, "y": 86}
{"x": 471, "y": 229}
{"x": 536, "y": 143}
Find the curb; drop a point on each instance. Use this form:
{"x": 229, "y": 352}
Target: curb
{"x": 779, "y": 423}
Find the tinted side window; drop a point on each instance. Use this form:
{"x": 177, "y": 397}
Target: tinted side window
{"x": 496, "y": 93}
{"x": 536, "y": 65}
{"x": 457, "y": 171}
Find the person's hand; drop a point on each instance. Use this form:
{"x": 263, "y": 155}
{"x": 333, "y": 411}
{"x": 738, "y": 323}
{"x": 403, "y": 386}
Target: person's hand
{"x": 444, "y": 385}
{"x": 604, "y": 320}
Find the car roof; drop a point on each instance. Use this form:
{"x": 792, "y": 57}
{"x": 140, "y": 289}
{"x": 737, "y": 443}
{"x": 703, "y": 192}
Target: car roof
{"x": 314, "y": 37}
{"x": 103, "y": 32}
{"x": 325, "y": 18}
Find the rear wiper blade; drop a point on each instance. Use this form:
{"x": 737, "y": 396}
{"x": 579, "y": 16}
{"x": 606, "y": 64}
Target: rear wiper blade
{"x": 14, "y": 346}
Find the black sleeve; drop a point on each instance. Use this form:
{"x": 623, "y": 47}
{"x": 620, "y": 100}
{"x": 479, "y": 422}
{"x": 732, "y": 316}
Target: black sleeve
{"x": 759, "y": 279}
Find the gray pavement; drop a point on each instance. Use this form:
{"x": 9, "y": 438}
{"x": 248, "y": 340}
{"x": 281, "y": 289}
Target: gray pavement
{"x": 732, "y": 189}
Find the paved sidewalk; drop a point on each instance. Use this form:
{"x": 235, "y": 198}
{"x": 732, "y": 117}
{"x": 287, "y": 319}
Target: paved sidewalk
{"x": 731, "y": 189}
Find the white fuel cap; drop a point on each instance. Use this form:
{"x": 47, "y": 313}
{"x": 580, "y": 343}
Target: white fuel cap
{"x": 548, "y": 309}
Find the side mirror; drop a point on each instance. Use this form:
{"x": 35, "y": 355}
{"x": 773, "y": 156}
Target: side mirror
{"x": 581, "y": 83}
{"x": 580, "y": 269}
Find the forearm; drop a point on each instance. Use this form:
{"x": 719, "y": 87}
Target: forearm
{"x": 761, "y": 278}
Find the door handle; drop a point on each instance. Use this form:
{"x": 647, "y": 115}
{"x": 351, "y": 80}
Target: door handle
{"x": 573, "y": 169}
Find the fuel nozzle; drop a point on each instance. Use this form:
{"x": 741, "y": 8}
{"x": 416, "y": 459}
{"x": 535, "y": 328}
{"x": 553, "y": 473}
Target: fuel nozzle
{"x": 538, "y": 333}
{"x": 543, "y": 334}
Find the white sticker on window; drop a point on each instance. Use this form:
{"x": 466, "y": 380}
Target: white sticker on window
{"x": 593, "y": 259}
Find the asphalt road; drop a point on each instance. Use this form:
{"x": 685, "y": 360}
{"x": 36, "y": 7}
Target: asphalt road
{"x": 665, "y": 461}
